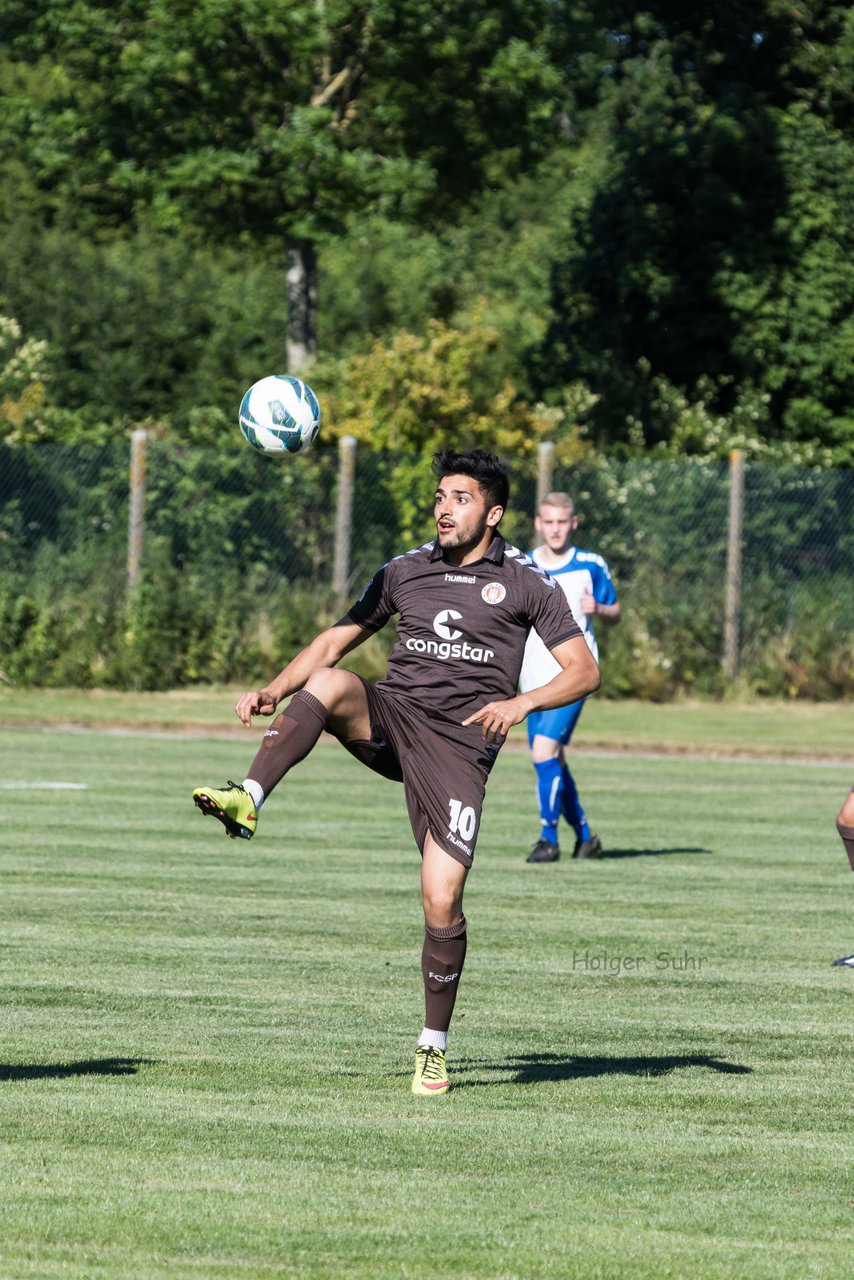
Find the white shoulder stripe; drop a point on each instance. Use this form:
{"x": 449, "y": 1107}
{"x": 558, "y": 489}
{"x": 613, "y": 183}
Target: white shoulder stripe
{"x": 427, "y": 546}
{"x": 526, "y": 562}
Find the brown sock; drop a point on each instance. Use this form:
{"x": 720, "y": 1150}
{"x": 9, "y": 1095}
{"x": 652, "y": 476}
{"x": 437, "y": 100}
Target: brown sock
{"x": 847, "y": 834}
{"x": 289, "y": 739}
{"x": 442, "y": 960}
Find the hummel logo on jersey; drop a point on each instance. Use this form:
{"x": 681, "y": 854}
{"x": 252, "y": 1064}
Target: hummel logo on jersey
{"x": 440, "y": 624}
{"x": 460, "y": 577}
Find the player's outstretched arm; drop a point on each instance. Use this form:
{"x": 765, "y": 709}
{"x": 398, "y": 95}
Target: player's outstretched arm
{"x": 578, "y": 677}
{"x": 325, "y": 650}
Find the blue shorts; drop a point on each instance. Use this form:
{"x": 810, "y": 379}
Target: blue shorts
{"x": 556, "y": 724}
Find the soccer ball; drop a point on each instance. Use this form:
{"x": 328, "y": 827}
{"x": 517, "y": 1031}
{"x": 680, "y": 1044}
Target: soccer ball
{"x": 279, "y": 415}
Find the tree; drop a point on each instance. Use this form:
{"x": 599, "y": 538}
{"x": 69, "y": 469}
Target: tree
{"x": 714, "y": 246}
{"x": 268, "y": 122}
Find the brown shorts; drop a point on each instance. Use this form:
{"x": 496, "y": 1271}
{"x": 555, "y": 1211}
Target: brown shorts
{"x": 443, "y": 783}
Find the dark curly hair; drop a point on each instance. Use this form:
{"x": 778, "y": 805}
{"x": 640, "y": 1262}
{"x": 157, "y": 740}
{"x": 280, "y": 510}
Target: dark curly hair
{"x": 489, "y": 472}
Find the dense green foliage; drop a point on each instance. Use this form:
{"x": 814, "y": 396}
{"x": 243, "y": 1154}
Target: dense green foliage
{"x": 238, "y": 564}
{"x": 652, "y": 209}
{"x": 627, "y": 230}
{"x": 715, "y": 248}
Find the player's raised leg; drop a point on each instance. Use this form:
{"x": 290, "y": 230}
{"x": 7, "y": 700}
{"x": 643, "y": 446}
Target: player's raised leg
{"x": 331, "y": 699}
{"x": 442, "y": 957}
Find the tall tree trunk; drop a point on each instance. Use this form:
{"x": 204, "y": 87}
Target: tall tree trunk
{"x": 302, "y": 306}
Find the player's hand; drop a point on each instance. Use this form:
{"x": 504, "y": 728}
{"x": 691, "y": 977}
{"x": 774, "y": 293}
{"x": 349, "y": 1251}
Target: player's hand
{"x": 259, "y": 702}
{"x": 497, "y": 718}
{"x": 589, "y": 604}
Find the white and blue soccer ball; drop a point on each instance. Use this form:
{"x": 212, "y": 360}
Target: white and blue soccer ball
{"x": 279, "y": 415}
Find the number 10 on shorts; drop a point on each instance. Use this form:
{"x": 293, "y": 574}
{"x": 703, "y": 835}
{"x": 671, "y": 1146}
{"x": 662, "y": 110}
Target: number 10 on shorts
{"x": 463, "y": 820}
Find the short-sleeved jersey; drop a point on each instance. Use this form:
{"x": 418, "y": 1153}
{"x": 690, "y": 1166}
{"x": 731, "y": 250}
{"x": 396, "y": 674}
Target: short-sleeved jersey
{"x": 462, "y": 630}
{"x": 583, "y": 573}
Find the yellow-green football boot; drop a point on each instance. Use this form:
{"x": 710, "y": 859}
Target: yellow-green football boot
{"x": 233, "y": 805}
{"x": 431, "y": 1074}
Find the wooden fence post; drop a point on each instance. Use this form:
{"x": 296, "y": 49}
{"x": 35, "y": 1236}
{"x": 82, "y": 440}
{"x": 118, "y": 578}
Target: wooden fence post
{"x": 545, "y": 469}
{"x": 344, "y": 514}
{"x": 732, "y": 611}
{"x": 136, "y": 519}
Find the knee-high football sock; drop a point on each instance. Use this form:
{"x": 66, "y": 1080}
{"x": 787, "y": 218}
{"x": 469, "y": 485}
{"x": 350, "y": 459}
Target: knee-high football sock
{"x": 549, "y": 788}
{"x": 572, "y": 809}
{"x": 847, "y": 836}
{"x": 289, "y": 739}
{"x": 442, "y": 958}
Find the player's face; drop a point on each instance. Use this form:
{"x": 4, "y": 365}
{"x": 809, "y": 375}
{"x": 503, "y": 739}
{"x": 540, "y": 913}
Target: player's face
{"x": 556, "y": 525}
{"x": 463, "y": 519}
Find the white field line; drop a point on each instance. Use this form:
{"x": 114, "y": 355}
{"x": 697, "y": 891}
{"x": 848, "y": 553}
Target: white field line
{"x": 44, "y": 786}
{"x": 710, "y": 755}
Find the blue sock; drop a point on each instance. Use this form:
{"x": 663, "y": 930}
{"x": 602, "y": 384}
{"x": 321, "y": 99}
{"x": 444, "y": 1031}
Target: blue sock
{"x": 571, "y": 805}
{"x": 549, "y": 788}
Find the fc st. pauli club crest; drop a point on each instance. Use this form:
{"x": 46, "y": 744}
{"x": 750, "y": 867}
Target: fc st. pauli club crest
{"x": 494, "y": 592}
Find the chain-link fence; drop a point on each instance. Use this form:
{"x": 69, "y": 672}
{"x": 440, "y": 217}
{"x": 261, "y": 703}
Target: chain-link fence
{"x": 239, "y": 559}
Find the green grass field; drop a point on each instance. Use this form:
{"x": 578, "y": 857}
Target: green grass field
{"x": 207, "y": 1044}
{"x": 768, "y": 728}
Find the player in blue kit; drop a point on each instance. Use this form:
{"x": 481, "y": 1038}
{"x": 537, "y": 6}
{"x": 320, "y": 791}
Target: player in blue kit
{"x": 465, "y": 604}
{"x": 586, "y": 582}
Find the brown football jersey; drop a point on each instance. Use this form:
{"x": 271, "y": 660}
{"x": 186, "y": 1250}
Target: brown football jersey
{"x": 461, "y": 631}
